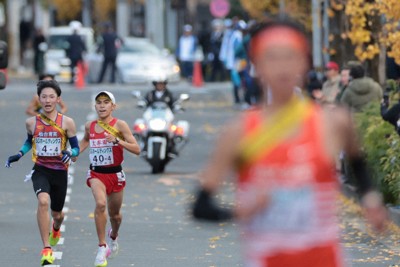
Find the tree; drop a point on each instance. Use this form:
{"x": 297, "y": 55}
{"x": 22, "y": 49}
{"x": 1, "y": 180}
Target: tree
{"x": 298, "y": 9}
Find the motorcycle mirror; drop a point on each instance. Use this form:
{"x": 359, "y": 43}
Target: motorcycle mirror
{"x": 3, "y": 55}
{"x": 141, "y": 104}
{"x": 3, "y": 80}
{"x": 136, "y": 94}
{"x": 184, "y": 97}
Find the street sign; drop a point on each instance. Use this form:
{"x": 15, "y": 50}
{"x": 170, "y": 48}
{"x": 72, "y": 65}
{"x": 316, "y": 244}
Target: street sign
{"x": 220, "y": 8}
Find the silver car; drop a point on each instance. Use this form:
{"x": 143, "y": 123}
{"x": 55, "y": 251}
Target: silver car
{"x": 139, "y": 61}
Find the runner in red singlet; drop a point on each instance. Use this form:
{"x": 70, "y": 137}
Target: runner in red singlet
{"x": 284, "y": 155}
{"x": 107, "y": 138}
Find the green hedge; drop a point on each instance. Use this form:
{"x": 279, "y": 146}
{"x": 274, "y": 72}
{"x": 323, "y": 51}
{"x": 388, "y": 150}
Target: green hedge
{"x": 381, "y": 144}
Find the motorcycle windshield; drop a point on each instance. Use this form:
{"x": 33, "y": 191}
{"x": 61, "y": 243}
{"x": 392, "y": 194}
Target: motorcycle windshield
{"x": 159, "y": 110}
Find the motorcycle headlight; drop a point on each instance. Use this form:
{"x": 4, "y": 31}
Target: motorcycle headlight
{"x": 157, "y": 124}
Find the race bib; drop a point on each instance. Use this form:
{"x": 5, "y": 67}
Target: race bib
{"x": 289, "y": 210}
{"x": 101, "y": 152}
{"x": 48, "y": 147}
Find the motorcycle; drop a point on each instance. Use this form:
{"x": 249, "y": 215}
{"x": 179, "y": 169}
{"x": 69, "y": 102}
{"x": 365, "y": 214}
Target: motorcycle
{"x": 160, "y": 139}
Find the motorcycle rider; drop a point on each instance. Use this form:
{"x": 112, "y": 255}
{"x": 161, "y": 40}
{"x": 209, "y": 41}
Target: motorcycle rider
{"x": 160, "y": 93}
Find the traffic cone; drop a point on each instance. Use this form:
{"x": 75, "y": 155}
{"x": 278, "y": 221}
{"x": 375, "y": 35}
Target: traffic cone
{"x": 197, "y": 80}
{"x": 80, "y": 76}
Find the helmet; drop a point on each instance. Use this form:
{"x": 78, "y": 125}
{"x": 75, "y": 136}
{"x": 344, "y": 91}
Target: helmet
{"x": 160, "y": 78}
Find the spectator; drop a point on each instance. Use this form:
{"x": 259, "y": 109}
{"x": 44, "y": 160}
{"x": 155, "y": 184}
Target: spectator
{"x": 392, "y": 114}
{"x": 75, "y": 50}
{"x": 186, "y": 51}
{"x": 39, "y": 47}
{"x": 330, "y": 88}
{"x": 110, "y": 42}
{"x": 344, "y": 82}
{"x": 314, "y": 85}
{"x": 234, "y": 61}
{"x": 217, "y": 35}
{"x": 361, "y": 91}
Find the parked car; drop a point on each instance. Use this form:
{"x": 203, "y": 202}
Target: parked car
{"x": 55, "y": 59}
{"x": 139, "y": 61}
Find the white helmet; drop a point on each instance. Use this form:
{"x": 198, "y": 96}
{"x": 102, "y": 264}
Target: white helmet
{"x": 160, "y": 78}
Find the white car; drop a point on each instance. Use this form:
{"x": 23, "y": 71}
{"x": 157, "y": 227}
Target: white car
{"x": 56, "y": 60}
{"x": 141, "y": 61}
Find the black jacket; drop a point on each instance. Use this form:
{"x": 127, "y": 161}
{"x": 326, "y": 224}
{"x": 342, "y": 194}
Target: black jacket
{"x": 167, "y": 97}
{"x": 76, "y": 47}
{"x": 109, "y": 44}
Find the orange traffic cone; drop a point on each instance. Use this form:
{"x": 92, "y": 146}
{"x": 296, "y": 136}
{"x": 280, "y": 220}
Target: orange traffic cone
{"x": 80, "y": 76}
{"x": 197, "y": 75}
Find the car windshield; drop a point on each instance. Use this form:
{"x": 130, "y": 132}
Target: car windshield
{"x": 60, "y": 41}
{"x": 140, "y": 47}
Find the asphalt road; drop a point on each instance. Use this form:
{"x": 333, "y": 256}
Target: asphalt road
{"x": 156, "y": 228}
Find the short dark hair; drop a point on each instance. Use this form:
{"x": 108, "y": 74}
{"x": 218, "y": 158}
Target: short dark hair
{"x": 42, "y": 76}
{"x": 357, "y": 71}
{"x": 285, "y": 21}
{"x": 48, "y": 83}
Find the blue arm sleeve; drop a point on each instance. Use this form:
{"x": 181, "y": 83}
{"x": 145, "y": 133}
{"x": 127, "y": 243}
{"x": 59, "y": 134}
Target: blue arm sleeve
{"x": 27, "y": 145}
{"x": 73, "y": 141}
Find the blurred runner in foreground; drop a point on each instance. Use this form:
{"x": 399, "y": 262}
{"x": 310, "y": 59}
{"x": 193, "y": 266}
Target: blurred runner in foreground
{"x": 284, "y": 155}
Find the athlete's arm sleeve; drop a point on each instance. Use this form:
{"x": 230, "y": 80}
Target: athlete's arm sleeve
{"x": 27, "y": 145}
{"x": 73, "y": 141}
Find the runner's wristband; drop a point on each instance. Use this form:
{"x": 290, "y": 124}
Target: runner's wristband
{"x": 73, "y": 141}
{"x": 27, "y": 145}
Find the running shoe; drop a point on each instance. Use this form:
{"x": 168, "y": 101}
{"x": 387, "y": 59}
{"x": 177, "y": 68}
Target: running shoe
{"x": 54, "y": 236}
{"x": 113, "y": 244}
{"x": 101, "y": 258}
{"x": 47, "y": 257}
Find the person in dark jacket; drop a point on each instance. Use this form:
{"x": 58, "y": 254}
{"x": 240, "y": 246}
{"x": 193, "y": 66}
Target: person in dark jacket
{"x": 109, "y": 46}
{"x": 361, "y": 91}
{"x": 160, "y": 93}
{"x": 75, "y": 50}
{"x": 392, "y": 114}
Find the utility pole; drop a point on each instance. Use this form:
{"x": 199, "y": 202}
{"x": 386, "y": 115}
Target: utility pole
{"x": 123, "y": 15}
{"x": 13, "y": 21}
{"x": 281, "y": 8}
{"x": 86, "y": 16}
{"x": 316, "y": 34}
{"x": 326, "y": 31}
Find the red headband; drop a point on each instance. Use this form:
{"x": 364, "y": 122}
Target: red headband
{"x": 278, "y": 36}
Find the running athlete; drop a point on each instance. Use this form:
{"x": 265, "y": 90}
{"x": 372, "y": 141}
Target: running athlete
{"x": 35, "y": 107}
{"x": 284, "y": 155}
{"x": 48, "y": 134}
{"x": 107, "y": 137}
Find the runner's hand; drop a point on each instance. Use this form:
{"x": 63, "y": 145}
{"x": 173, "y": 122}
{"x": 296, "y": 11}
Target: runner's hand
{"x": 12, "y": 159}
{"x": 66, "y": 156}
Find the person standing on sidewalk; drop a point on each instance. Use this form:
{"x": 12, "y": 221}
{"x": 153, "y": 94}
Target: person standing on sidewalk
{"x": 284, "y": 156}
{"x": 48, "y": 133}
{"x": 76, "y": 49}
{"x": 109, "y": 45}
{"x": 107, "y": 137}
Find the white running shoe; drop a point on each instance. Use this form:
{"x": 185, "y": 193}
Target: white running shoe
{"x": 101, "y": 258}
{"x": 113, "y": 244}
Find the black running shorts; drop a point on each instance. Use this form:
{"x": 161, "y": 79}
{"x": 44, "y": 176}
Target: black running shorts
{"x": 53, "y": 182}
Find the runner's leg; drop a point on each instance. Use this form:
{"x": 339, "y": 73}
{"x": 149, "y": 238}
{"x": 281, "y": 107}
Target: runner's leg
{"x": 114, "y": 203}
{"x": 100, "y": 216}
{"x": 43, "y": 217}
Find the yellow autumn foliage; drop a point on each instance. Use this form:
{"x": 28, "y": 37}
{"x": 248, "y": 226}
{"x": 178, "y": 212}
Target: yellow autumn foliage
{"x": 67, "y": 10}
{"x": 368, "y": 42}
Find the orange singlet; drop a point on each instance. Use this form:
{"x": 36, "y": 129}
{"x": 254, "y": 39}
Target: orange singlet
{"x": 298, "y": 228}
